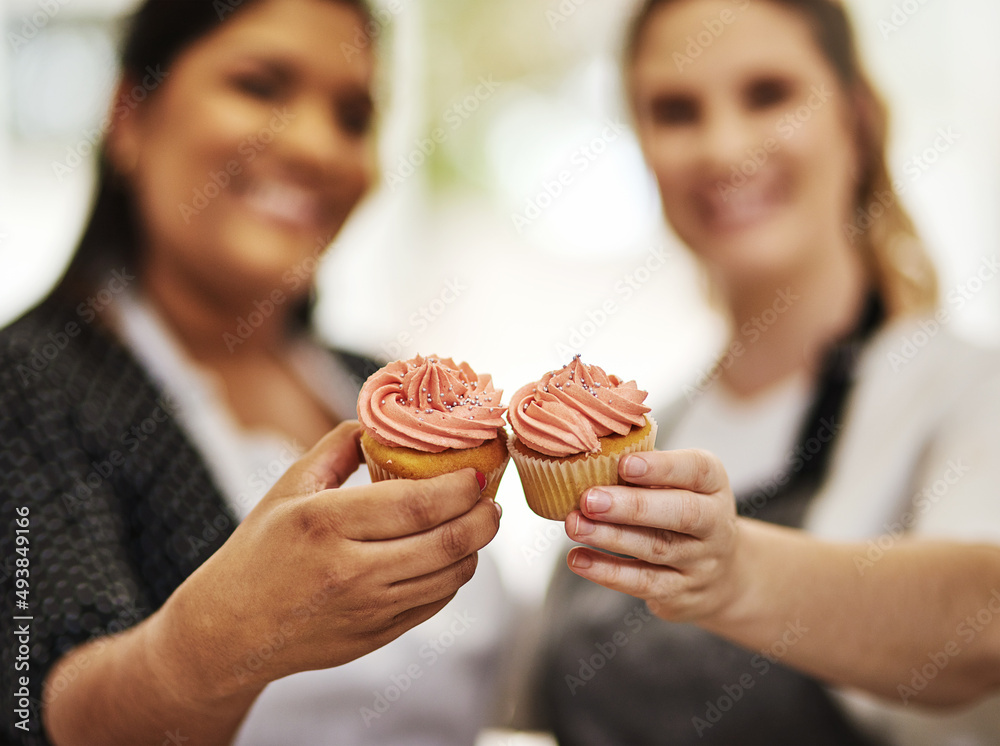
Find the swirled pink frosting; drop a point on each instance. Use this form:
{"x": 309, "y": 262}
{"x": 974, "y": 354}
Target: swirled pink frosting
{"x": 566, "y": 412}
{"x": 430, "y": 404}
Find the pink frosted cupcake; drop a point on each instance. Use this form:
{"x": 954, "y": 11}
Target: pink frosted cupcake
{"x": 430, "y": 416}
{"x": 570, "y": 430}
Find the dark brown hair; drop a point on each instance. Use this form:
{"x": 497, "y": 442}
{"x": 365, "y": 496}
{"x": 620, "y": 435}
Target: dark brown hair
{"x": 156, "y": 35}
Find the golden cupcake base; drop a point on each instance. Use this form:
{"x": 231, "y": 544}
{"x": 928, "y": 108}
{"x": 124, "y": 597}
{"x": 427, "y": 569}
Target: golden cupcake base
{"x": 388, "y": 462}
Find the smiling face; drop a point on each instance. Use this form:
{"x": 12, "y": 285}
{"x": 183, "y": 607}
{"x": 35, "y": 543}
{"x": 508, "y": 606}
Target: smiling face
{"x": 751, "y": 140}
{"x": 251, "y": 154}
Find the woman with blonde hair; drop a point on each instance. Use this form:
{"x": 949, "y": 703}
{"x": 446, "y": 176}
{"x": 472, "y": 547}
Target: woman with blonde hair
{"x": 825, "y": 560}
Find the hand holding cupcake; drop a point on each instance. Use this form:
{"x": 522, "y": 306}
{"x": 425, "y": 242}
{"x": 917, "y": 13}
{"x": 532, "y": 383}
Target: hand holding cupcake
{"x": 571, "y": 427}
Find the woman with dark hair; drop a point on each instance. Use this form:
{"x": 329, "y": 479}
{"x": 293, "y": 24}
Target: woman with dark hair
{"x": 175, "y": 444}
{"x": 843, "y": 411}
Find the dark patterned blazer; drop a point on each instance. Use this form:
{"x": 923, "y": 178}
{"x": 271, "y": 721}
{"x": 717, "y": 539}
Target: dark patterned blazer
{"x": 120, "y": 505}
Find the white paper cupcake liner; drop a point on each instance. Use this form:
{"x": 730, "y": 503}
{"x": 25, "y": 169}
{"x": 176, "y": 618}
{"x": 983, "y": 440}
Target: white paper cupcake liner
{"x": 553, "y": 488}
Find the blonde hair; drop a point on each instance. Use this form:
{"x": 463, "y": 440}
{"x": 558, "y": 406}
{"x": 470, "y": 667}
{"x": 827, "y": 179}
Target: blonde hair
{"x": 879, "y": 226}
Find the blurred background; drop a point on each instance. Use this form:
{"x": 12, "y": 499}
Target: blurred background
{"x": 471, "y": 246}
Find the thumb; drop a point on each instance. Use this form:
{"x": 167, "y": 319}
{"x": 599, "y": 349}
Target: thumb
{"x": 326, "y": 465}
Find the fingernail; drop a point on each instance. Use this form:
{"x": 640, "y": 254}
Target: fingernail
{"x": 635, "y": 466}
{"x": 499, "y": 509}
{"x": 598, "y": 501}
{"x": 481, "y": 478}
{"x": 583, "y": 527}
{"x": 581, "y": 561}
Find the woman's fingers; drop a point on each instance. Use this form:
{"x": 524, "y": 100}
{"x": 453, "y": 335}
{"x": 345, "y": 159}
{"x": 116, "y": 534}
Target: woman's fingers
{"x": 633, "y": 577}
{"x": 388, "y": 629}
{"x": 692, "y": 470}
{"x": 682, "y": 511}
{"x": 656, "y": 546}
{"x": 429, "y": 551}
{"x": 412, "y": 617}
{"x": 434, "y": 586}
{"x": 401, "y": 507}
{"x": 686, "y": 504}
{"x": 675, "y": 533}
